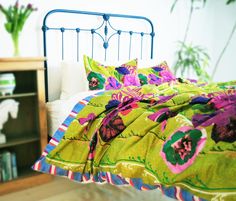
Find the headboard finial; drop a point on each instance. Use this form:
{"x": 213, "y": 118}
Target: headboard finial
{"x": 106, "y": 17}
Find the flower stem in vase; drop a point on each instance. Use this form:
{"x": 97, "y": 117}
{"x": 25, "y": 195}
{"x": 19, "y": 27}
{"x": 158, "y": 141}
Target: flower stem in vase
{"x": 15, "y": 39}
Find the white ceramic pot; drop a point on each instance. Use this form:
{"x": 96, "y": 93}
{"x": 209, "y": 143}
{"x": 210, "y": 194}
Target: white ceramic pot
{"x": 7, "y": 84}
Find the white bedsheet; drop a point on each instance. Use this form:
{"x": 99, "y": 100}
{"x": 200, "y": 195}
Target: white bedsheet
{"x": 58, "y": 110}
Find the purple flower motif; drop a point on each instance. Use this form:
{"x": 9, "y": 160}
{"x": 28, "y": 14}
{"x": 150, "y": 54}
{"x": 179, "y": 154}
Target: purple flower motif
{"x": 131, "y": 80}
{"x": 200, "y": 100}
{"x": 154, "y": 79}
{"x": 225, "y": 133}
{"x": 223, "y": 118}
{"x": 157, "y": 68}
{"x": 122, "y": 70}
{"x": 119, "y": 97}
{"x": 112, "y": 104}
{"x": 164, "y": 99}
{"x": 112, "y": 84}
{"x": 192, "y": 80}
{"x": 167, "y": 75}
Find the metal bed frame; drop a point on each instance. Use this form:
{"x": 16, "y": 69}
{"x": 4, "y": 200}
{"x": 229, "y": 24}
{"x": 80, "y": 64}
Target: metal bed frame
{"x": 108, "y": 32}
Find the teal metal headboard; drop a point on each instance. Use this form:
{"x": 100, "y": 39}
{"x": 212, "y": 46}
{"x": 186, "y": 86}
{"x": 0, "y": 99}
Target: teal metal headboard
{"x": 108, "y": 32}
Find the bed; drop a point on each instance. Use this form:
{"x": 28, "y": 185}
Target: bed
{"x": 137, "y": 127}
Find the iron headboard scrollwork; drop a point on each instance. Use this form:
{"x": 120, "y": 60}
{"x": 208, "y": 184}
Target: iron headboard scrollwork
{"x": 107, "y": 33}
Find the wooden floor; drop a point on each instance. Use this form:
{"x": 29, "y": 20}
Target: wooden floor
{"x": 61, "y": 189}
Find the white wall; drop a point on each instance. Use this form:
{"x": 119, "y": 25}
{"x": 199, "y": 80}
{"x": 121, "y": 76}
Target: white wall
{"x": 210, "y": 27}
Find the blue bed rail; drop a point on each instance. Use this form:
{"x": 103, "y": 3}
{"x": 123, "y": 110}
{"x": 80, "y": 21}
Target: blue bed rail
{"x": 107, "y": 33}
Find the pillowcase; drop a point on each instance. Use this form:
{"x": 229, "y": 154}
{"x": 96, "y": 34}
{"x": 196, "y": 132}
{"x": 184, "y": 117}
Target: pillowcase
{"x": 100, "y": 76}
{"x": 155, "y": 74}
{"x": 73, "y": 79}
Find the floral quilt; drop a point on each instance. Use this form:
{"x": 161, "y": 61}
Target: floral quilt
{"x": 179, "y": 137}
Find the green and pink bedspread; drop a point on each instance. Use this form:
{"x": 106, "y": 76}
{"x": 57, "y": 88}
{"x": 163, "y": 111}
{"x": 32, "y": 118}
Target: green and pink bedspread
{"x": 179, "y": 137}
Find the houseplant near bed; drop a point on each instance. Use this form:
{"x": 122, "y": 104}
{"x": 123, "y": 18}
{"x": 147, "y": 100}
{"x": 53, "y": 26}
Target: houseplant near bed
{"x": 187, "y": 54}
{"x": 16, "y": 17}
{"x": 226, "y": 44}
{"x": 191, "y": 57}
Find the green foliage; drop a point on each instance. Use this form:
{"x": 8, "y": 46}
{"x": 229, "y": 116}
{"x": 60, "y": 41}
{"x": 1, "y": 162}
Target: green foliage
{"x": 192, "y": 58}
{"x": 230, "y": 1}
{"x": 16, "y": 16}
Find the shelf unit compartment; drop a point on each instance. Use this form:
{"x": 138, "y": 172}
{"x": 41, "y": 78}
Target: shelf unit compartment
{"x": 26, "y": 135}
{"x": 26, "y": 124}
{"x": 25, "y": 82}
{"x": 20, "y": 95}
{"x": 19, "y": 141}
{"x": 26, "y": 155}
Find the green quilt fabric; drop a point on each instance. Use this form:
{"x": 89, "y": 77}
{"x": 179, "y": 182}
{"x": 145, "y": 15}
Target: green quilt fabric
{"x": 176, "y": 134}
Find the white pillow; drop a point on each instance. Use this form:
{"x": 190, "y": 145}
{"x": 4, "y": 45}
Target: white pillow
{"x": 74, "y": 79}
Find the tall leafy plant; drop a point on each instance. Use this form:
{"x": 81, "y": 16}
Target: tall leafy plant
{"x": 226, "y": 44}
{"x": 179, "y": 62}
{"x": 191, "y": 57}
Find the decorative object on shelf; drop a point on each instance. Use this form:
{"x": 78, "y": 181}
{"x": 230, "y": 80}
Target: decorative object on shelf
{"x": 16, "y": 16}
{"x": 7, "y": 84}
{"x": 9, "y": 106}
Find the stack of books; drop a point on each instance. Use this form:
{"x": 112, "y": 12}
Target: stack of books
{"x": 8, "y": 166}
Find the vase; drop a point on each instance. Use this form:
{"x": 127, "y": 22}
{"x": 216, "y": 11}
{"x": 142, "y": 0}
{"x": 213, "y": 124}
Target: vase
{"x": 7, "y": 84}
{"x": 15, "y": 40}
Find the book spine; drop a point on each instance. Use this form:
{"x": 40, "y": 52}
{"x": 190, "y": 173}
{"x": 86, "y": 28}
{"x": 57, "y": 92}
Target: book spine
{"x": 0, "y": 167}
{"x": 6, "y": 166}
{"x": 14, "y": 165}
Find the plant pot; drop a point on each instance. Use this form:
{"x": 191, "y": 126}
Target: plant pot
{"x": 7, "y": 84}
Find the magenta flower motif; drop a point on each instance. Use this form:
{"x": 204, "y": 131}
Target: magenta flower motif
{"x": 112, "y": 84}
{"x": 90, "y": 117}
{"x": 167, "y": 75}
{"x": 131, "y": 80}
{"x": 159, "y": 115}
{"x": 222, "y": 100}
{"x": 223, "y": 118}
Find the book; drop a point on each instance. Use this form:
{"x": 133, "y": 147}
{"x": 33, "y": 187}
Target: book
{"x": 6, "y": 166}
{"x": 0, "y": 167}
{"x": 14, "y": 165}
